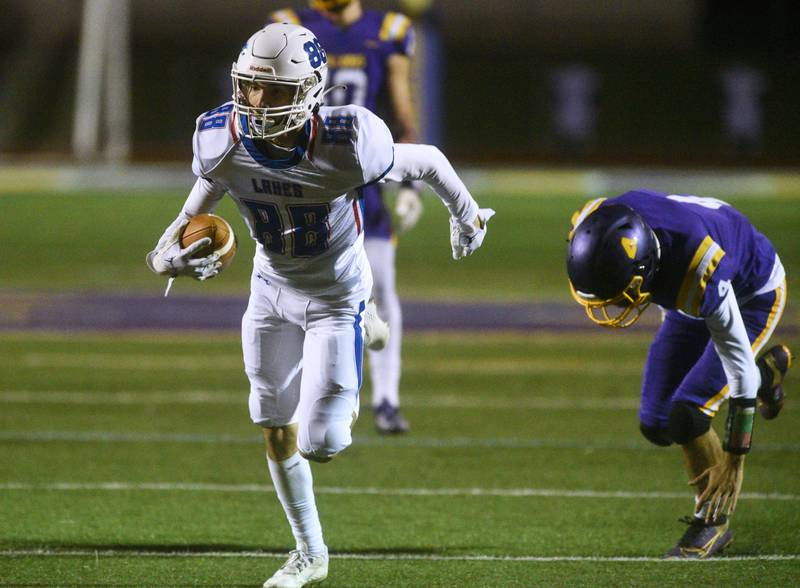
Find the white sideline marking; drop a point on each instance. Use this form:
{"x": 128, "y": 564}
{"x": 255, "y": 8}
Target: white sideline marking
{"x": 373, "y": 491}
{"x": 226, "y": 397}
{"x": 368, "y": 441}
{"x": 384, "y": 556}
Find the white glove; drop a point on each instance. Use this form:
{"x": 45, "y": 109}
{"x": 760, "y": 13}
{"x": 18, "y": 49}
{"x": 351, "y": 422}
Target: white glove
{"x": 408, "y": 208}
{"x": 169, "y": 259}
{"x": 466, "y": 238}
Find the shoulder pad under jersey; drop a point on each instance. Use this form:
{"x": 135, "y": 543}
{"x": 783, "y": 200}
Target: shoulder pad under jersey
{"x": 355, "y": 139}
{"x": 214, "y": 137}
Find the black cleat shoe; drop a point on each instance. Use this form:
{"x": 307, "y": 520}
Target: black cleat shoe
{"x": 773, "y": 365}
{"x": 702, "y": 540}
{"x": 388, "y": 419}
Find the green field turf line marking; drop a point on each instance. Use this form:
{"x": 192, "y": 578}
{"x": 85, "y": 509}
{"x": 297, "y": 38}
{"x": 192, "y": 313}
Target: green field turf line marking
{"x": 369, "y": 441}
{"x": 373, "y": 491}
{"x": 17, "y": 553}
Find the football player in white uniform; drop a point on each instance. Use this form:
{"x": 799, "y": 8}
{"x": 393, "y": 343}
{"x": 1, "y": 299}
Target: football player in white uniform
{"x": 295, "y": 169}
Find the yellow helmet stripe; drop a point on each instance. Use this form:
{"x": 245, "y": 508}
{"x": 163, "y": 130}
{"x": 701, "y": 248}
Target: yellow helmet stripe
{"x": 580, "y": 215}
{"x": 286, "y": 15}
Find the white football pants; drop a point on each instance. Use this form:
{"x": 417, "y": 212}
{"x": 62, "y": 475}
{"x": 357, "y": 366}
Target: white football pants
{"x": 384, "y": 365}
{"x": 303, "y": 359}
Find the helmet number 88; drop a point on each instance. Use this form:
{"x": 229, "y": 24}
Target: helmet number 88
{"x": 316, "y": 54}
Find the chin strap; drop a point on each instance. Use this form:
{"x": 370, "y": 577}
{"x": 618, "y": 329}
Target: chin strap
{"x": 331, "y": 89}
{"x": 739, "y": 425}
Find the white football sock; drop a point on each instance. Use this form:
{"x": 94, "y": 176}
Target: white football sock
{"x": 295, "y": 488}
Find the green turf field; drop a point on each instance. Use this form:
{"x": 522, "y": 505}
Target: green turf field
{"x": 98, "y": 242}
{"x": 128, "y": 459}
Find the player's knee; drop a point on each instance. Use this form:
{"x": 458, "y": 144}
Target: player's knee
{"x": 655, "y": 435}
{"x": 323, "y": 443}
{"x": 328, "y": 431}
{"x": 281, "y": 442}
{"x": 687, "y": 422}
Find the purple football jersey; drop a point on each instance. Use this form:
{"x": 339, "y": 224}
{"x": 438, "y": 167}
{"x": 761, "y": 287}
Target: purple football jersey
{"x": 357, "y": 74}
{"x": 705, "y": 243}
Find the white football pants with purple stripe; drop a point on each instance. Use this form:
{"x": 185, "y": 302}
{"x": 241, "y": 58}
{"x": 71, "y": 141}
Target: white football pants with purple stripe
{"x": 303, "y": 359}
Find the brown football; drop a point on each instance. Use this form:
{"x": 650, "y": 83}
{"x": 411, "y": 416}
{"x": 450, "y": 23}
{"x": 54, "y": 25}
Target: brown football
{"x": 223, "y": 239}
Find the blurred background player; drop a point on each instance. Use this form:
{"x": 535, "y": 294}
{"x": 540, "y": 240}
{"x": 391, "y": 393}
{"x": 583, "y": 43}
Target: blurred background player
{"x": 293, "y": 168}
{"x": 369, "y": 60}
{"x": 722, "y": 288}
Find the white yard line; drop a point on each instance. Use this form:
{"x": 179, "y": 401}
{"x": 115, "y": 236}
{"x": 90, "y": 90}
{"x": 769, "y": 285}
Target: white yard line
{"x": 374, "y": 491}
{"x": 414, "y": 441}
{"x": 15, "y": 553}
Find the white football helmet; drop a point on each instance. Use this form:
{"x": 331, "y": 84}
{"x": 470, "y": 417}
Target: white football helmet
{"x": 283, "y": 54}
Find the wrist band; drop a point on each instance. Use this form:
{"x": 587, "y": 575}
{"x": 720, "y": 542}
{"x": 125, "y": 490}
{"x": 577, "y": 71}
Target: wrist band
{"x": 739, "y": 426}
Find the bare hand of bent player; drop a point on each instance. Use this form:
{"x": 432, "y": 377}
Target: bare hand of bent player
{"x": 723, "y": 486}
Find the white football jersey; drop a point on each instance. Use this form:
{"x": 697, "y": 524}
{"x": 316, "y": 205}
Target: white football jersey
{"x": 303, "y": 211}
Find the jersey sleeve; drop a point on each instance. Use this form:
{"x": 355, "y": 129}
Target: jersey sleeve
{"x": 374, "y": 146}
{"x": 733, "y": 347}
{"x": 704, "y": 284}
{"x": 397, "y": 30}
{"x": 214, "y": 137}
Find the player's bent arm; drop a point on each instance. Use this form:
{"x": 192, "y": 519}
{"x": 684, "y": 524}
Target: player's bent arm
{"x": 733, "y": 347}
{"x": 168, "y": 258}
{"x": 398, "y": 82}
{"x": 730, "y": 339}
{"x": 428, "y": 164}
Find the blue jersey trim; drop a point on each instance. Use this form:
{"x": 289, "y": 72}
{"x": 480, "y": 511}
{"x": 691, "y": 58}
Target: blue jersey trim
{"x": 359, "y": 347}
{"x": 383, "y": 175}
{"x": 261, "y": 159}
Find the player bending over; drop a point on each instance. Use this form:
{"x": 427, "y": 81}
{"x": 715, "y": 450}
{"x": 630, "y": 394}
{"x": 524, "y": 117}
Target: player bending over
{"x": 722, "y": 290}
{"x": 295, "y": 170}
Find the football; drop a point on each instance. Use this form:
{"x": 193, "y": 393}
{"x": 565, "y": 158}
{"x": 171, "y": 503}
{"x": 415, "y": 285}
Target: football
{"x": 223, "y": 239}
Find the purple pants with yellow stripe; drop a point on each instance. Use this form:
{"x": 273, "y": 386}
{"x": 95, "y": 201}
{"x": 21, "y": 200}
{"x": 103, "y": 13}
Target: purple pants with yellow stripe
{"x": 683, "y": 365}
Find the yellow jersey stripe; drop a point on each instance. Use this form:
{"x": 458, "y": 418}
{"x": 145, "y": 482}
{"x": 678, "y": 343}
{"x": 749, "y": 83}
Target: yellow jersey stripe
{"x": 689, "y": 278}
{"x": 402, "y": 27}
{"x": 580, "y": 215}
{"x": 701, "y": 286}
{"x": 386, "y": 27}
{"x": 394, "y": 26}
{"x": 286, "y": 15}
{"x": 776, "y": 312}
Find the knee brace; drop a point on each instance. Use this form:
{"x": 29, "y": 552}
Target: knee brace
{"x": 655, "y": 435}
{"x": 687, "y": 422}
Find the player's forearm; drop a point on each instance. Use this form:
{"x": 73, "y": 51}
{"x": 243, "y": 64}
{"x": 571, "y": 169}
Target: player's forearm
{"x": 203, "y": 198}
{"x": 428, "y": 164}
{"x": 733, "y": 347}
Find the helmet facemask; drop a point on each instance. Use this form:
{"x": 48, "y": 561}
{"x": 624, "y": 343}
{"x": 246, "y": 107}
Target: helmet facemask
{"x": 268, "y": 122}
{"x": 631, "y": 300}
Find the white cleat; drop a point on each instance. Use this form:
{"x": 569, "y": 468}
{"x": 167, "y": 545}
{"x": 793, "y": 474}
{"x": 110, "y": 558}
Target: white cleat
{"x": 301, "y": 569}
{"x": 376, "y": 330}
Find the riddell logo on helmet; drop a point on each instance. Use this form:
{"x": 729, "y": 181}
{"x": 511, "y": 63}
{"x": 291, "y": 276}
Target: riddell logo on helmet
{"x": 259, "y": 68}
